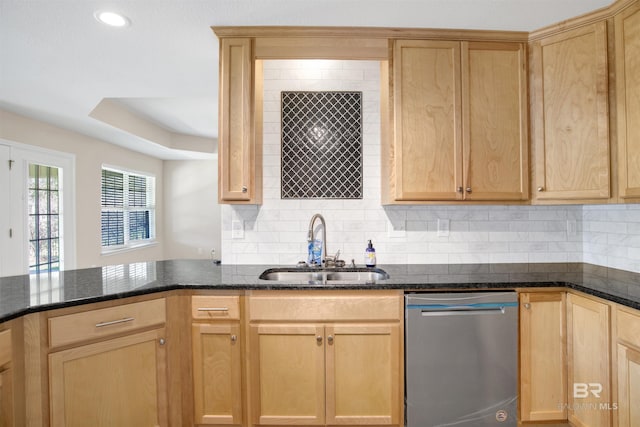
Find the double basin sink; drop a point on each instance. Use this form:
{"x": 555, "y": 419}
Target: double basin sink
{"x": 325, "y": 275}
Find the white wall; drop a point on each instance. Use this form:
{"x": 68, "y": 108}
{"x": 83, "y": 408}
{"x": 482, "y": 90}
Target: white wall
{"x": 192, "y": 213}
{"x": 90, "y": 155}
{"x": 275, "y": 232}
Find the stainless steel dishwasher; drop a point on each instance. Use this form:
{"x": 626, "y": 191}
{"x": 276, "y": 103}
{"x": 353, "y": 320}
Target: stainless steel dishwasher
{"x": 461, "y": 359}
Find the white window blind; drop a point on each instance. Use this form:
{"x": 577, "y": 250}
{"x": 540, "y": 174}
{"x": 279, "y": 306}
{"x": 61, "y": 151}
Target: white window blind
{"x": 128, "y": 209}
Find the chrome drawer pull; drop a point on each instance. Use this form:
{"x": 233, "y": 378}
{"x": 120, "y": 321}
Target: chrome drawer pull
{"x": 213, "y": 309}
{"x": 114, "y": 322}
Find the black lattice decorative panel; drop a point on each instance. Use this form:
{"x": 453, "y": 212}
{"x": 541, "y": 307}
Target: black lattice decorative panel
{"x": 321, "y": 145}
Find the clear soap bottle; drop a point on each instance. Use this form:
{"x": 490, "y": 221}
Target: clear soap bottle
{"x": 370, "y": 255}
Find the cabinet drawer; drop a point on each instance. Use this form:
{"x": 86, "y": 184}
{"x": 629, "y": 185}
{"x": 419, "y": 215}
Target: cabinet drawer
{"x": 215, "y": 307}
{"x": 105, "y": 322}
{"x": 629, "y": 327}
{"x": 318, "y": 306}
{"x": 5, "y": 347}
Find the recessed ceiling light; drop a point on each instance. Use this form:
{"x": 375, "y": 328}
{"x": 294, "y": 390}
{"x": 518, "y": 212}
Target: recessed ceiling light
{"x": 111, "y": 18}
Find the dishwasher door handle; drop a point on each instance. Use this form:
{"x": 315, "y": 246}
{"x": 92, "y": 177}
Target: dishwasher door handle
{"x": 463, "y": 311}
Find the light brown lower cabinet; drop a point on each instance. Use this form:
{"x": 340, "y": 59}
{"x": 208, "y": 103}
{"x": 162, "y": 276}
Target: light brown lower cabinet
{"x": 317, "y": 374}
{"x": 543, "y": 372}
{"x": 108, "y": 366}
{"x": 589, "y": 378}
{"x": 325, "y": 358}
{"x": 6, "y": 380}
{"x": 6, "y": 398}
{"x": 628, "y": 367}
{"x": 117, "y": 382}
{"x": 217, "y": 360}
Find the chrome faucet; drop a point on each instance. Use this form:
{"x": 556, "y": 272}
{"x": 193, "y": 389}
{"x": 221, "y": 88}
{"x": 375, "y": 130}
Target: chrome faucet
{"x": 325, "y": 260}
{"x": 324, "y": 235}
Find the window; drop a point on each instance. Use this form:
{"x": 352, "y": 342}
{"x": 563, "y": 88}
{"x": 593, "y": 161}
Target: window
{"x": 128, "y": 209}
{"x": 44, "y": 218}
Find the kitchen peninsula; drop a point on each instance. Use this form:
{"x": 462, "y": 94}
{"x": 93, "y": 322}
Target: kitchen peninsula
{"x": 178, "y": 316}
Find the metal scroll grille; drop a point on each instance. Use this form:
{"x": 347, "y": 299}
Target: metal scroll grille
{"x": 321, "y": 145}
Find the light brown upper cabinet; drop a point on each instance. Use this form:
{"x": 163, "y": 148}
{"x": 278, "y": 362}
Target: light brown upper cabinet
{"x": 494, "y": 121}
{"x": 627, "y": 36}
{"x": 570, "y": 114}
{"x": 459, "y": 122}
{"x": 427, "y": 140}
{"x": 239, "y": 155}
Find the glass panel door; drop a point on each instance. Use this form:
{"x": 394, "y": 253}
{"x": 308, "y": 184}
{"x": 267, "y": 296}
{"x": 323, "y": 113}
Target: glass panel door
{"x": 44, "y": 218}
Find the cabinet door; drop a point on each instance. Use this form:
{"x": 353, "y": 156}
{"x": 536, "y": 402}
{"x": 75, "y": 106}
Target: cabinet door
{"x": 363, "y": 374}
{"x": 588, "y": 324}
{"x": 217, "y": 374}
{"x": 628, "y": 364}
{"x": 543, "y": 374}
{"x": 571, "y": 115}
{"x": 287, "y": 372}
{"x": 6, "y": 384}
{"x": 627, "y": 28}
{"x": 427, "y": 122}
{"x": 628, "y": 386}
{"x": 236, "y": 149}
{"x": 6, "y": 398}
{"x": 494, "y": 110}
{"x": 119, "y": 382}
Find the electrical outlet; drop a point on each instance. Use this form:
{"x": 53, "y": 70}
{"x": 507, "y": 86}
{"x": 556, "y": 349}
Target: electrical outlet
{"x": 443, "y": 227}
{"x": 237, "y": 229}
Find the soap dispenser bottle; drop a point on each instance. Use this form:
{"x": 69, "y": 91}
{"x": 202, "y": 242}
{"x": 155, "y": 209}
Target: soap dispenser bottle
{"x": 370, "y": 255}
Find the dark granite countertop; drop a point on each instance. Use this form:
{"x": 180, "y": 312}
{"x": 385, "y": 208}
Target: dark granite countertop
{"x": 21, "y": 295}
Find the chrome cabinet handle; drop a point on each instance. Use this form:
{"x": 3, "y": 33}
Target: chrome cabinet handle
{"x": 161, "y": 341}
{"x": 459, "y": 189}
{"x": 330, "y": 339}
{"x": 527, "y": 306}
{"x": 540, "y": 189}
{"x": 214, "y": 309}
{"x": 319, "y": 339}
{"x": 468, "y": 189}
{"x": 244, "y": 188}
{"x": 234, "y": 338}
{"x": 114, "y": 322}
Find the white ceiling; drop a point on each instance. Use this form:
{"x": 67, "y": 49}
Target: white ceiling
{"x": 58, "y": 62}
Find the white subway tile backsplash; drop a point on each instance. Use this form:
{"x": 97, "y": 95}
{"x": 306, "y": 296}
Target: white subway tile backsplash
{"x": 276, "y": 231}
{"x": 508, "y": 257}
{"x": 469, "y": 258}
{"x": 549, "y": 257}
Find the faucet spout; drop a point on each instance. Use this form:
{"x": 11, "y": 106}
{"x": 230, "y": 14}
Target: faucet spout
{"x": 324, "y": 234}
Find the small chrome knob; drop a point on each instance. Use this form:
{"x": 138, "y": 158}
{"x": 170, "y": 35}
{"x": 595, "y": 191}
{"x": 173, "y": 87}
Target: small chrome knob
{"x": 319, "y": 339}
{"x": 468, "y": 189}
{"x": 161, "y": 341}
{"x": 459, "y": 189}
{"x": 540, "y": 189}
{"x": 234, "y": 338}
{"x": 330, "y": 339}
{"x": 244, "y": 188}
{"x": 527, "y": 306}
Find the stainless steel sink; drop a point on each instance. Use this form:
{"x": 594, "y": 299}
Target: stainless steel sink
{"x": 354, "y": 275}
